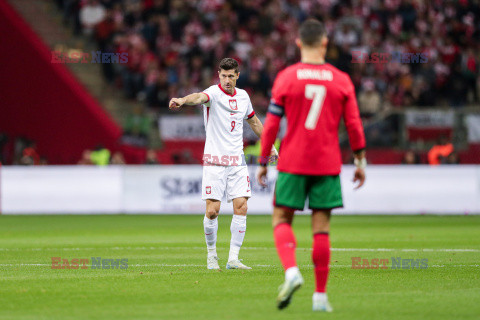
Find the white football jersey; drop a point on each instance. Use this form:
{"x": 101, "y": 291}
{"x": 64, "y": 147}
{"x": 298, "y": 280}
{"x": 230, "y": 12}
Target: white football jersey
{"x": 223, "y": 116}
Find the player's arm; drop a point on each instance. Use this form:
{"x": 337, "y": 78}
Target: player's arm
{"x": 272, "y": 124}
{"x": 190, "y": 100}
{"x": 257, "y": 127}
{"x": 354, "y": 126}
{"x": 360, "y": 164}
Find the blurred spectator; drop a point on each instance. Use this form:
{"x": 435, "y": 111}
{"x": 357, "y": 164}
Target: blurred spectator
{"x": 440, "y": 152}
{"x": 86, "y": 158}
{"x": 369, "y": 101}
{"x": 151, "y": 157}
{"x": 118, "y": 159}
{"x": 457, "y": 87}
{"x": 411, "y": 157}
{"x": 91, "y": 14}
{"x": 137, "y": 128}
{"x": 20, "y": 144}
{"x": 470, "y": 71}
{"x": 101, "y": 156}
{"x": 30, "y": 155}
{"x": 184, "y": 157}
{"x": 104, "y": 32}
{"x": 187, "y": 157}
{"x": 252, "y": 150}
{"x": 176, "y": 159}
{"x": 43, "y": 161}
{"x": 452, "y": 158}
{"x": 3, "y": 142}
{"x": 71, "y": 13}
{"x": 345, "y": 36}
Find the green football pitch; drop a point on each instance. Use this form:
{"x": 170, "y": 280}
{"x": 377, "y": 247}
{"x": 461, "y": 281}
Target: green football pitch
{"x": 167, "y": 277}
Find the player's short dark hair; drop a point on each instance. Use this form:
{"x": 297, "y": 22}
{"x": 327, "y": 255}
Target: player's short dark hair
{"x": 228, "y": 64}
{"x": 311, "y": 32}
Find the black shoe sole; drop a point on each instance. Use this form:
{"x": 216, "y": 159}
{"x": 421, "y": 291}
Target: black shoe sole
{"x": 283, "y": 304}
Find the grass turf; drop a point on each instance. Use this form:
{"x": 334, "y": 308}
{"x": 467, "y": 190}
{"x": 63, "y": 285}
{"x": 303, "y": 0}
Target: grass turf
{"x": 167, "y": 279}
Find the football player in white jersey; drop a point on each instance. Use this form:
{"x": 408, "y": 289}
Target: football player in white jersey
{"x": 224, "y": 167}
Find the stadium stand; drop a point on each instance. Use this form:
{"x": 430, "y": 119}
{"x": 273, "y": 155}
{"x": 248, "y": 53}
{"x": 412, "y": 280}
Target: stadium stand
{"x": 174, "y": 49}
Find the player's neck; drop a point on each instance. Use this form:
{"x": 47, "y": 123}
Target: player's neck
{"x": 313, "y": 56}
{"x": 230, "y": 91}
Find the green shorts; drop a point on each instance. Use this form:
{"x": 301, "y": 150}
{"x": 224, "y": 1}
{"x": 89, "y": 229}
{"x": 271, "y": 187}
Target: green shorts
{"x": 323, "y": 192}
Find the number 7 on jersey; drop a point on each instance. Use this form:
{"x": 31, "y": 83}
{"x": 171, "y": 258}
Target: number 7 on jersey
{"x": 317, "y": 93}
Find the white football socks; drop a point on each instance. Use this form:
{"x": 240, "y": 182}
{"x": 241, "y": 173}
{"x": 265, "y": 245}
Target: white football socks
{"x": 238, "y": 228}
{"x": 211, "y": 226}
{"x": 320, "y": 297}
{"x": 291, "y": 273}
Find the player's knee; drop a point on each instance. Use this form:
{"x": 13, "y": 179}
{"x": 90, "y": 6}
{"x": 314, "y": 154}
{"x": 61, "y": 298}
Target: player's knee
{"x": 241, "y": 208}
{"x": 212, "y": 213}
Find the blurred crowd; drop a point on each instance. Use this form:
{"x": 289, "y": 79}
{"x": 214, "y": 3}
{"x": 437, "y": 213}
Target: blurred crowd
{"x": 442, "y": 152}
{"x": 19, "y": 151}
{"x": 174, "y": 46}
{"x": 24, "y": 152}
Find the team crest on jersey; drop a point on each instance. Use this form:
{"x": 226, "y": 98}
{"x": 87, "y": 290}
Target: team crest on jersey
{"x": 208, "y": 190}
{"x": 233, "y": 104}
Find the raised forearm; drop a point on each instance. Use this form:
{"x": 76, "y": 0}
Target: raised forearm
{"x": 195, "y": 98}
{"x": 191, "y": 99}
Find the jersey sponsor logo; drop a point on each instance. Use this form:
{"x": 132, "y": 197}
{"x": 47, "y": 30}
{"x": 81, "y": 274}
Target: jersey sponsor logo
{"x": 233, "y": 104}
{"x": 241, "y": 231}
{"x": 208, "y": 190}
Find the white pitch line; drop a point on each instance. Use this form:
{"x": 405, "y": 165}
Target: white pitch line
{"x": 405, "y": 250}
{"x": 202, "y": 265}
{"x": 245, "y": 248}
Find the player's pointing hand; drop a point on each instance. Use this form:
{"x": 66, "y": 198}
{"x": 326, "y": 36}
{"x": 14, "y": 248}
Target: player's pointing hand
{"x": 176, "y": 103}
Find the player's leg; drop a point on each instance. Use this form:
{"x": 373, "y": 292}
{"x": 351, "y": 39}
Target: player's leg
{"x": 321, "y": 258}
{"x": 324, "y": 194}
{"x": 238, "y": 191}
{"x": 210, "y": 226}
{"x": 290, "y": 194}
{"x": 285, "y": 243}
{"x": 284, "y": 237}
{"x": 213, "y": 187}
{"x": 238, "y": 228}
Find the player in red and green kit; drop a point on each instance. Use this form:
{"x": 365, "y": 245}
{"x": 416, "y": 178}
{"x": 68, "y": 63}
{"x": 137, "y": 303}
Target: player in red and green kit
{"x": 314, "y": 96}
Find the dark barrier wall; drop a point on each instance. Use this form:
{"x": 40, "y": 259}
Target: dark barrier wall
{"x": 43, "y": 101}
